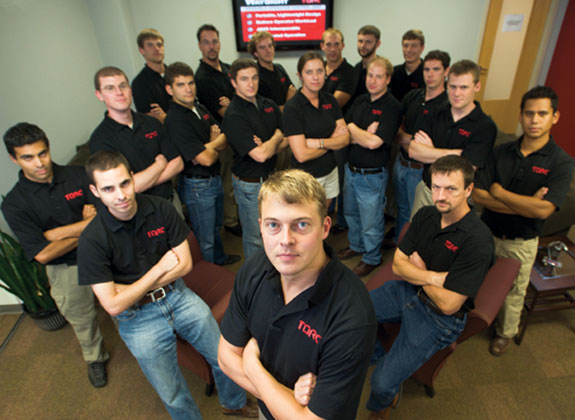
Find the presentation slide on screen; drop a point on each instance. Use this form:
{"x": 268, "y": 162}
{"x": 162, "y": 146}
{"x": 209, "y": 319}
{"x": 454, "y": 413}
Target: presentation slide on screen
{"x": 286, "y": 23}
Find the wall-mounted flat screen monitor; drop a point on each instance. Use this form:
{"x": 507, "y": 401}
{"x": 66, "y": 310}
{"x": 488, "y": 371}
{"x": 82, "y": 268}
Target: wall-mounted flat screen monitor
{"x": 294, "y": 24}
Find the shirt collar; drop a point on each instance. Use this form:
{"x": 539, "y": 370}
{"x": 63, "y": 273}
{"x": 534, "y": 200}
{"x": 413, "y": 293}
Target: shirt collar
{"x": 113, "y": 124}
{"x": 37, "y": 186}
{"x": 144, "y": 209}
{"x": 546, "y": 150}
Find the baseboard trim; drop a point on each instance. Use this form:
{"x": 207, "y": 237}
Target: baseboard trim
{"x": 10, "y": 309}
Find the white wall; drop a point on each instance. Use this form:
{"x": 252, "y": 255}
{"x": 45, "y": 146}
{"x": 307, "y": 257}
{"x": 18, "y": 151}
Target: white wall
{"x": 51, "y": 49}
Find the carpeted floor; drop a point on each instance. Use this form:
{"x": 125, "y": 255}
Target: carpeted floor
{"x": 43, "y": 377}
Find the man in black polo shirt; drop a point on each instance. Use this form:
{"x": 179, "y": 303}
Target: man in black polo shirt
{"x": 418, "y": 103}
{"x": 372, "y": 121}
{"x": 275, "y": 83}
{"x": 300, "y": 328}
{"x": 253, "y": 128}
{"x": 442, "y": 261}
{"x": 341, "y": 77}
{"x": 47, "y": 210}
{"x": 140, "y": 138}
{"x": 368, "y": 41}
{"x": 522, "y": 184}
{"x": 133, "y": 255}
{"x": 457, "y": 128}
{"x": 215, "y": 91}
{"x": 150, "y": 97}
{"x": 197, "y": 136}
{"x": 409, "y": 75}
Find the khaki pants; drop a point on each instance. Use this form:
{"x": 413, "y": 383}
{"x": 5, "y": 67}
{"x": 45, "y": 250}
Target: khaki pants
{"x": 525, "y": 251}
{"x": 230, "y": 206}
{"x": 76, "y": 304}
{"x": 422, "y": 198}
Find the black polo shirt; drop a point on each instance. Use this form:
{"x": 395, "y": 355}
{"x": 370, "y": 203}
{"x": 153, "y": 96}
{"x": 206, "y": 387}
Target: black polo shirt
{"x": 475, "y": 134}
{"x": 213, "y": 84}
{"x": 242, "y": 121}
{"x": 328, "y": 329}
{"x": 401, "y": 82}
{"x": 414, "y": 107}
{"x": 549, "y": 167}
{"x": 189, "y": 133}
{"x": 31, "y": 208}
{"x": 385, "y": 110}
{"x": 344, "y": 78}
{"x": 148, "y": 87}
{"x": 301, "y": 117}
{"x": 274, "y": 84}
{"x": 361, "y": 73}
{"x": 139, "y": 144}
{"x": 465, "y": 249}
{"x": 113, "y": 250}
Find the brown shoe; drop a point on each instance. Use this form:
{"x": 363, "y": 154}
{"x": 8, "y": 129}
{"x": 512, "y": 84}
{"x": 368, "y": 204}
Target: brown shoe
{"x": 499, "y": 345}
{"x": 250, "y": 410}
{"x": 385, "y": 414}
{"x": 347, "y": 253}
{"x": 363, "y": 269}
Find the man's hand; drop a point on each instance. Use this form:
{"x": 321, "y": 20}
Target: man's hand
{"x": 423, "y": 138}
{"x": 168, "y": 261}
{"x": 340, "y": 129}
{"x": 417, "y": 261}
{"x": 292, "y": 90}
{"x": 541, "y": 192}
{"x": 224, "y": 101}
{"x": 372, "y": 128}
{"x": 156, "y": 111}
{"x": 304, "y": 387}
{"x": 257, "y": 140}
{"x": 88, "y": 211}
{"x": 215, "y": 131}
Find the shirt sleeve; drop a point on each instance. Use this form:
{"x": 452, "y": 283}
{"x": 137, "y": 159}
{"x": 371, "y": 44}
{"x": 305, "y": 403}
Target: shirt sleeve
{"x": 167, "y": 146}
{"x": 348, "y": 81}
{"x": 234, "y": 325}
{"x": 209, "y": 95}
{"x": 94, "y": 263}
{"x": 408, "y": 244}
{"x": 143, "y": 96}
{"x": 239, "y": 133}
{"x": 559, "y": 182}
{"x": 186, "y": 138}
{"x": 481, "y": 143}
{"x": 178, "y": 230}
{"x": 336, "y": 110}
{"x": 292, "y": 119}
{"x": 342, "y": 370}
{"x": 486, "y": 176}
{"x": 389, "y": 123}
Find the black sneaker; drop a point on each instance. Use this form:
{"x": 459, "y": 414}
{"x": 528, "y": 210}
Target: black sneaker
{"x": 97, "y": 374}
{"x": 231, "y": 259}
{"x": 234, "y": 230}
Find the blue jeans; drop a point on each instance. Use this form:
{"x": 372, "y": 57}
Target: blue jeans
{"x": 150, "y": 330}
{"x": 204, "y": 199}
{"x": 405, "y": 182}
{"x": 364, "y": 198}
{"x": 422, "y": 334}
{"x": 246, "y": 194}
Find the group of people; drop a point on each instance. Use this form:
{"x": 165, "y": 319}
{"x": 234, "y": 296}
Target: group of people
{"x": 300, "y": 329}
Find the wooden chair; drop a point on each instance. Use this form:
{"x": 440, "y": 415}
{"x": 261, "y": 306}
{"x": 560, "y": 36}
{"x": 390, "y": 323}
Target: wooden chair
{"x": 488, "y": 301}
{"x": 214, "y": 285}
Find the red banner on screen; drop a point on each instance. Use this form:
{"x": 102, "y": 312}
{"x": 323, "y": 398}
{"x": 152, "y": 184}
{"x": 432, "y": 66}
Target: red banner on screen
{"x": 285, "y": 23}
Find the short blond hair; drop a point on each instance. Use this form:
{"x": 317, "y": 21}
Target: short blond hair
{"x": 257, "y": 37}
{"x": 383, "y": 62}
{"x": 294, "y": 186}
{"x": 148, "y": 33}
{"x": 331, "y": 31}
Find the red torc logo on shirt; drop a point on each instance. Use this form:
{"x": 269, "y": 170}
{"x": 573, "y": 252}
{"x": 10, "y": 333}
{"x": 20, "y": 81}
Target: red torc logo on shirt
{"x": 283, "y": 80}
{"x": 269, "y": 109}
{"x": 75, "y": 194}
{"x": 151, "y": 134}
{"x": 464, "y": 133}
{"x": 206, "y": 117}
{"x": 376, "y": 111}
{"x": 156, "y": 232}
{"x": 449, "y": 245}
{"x": 309, "y": 331}
{"x": 540, "y": 171}
{"x": 425, "y": 111}
{"x": 326, "y": 106}
{"x": 334, "y": 78}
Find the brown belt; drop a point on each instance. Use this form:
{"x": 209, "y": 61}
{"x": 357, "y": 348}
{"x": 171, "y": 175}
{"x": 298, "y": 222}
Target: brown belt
{"x": 426, "y": 300}
{"x": 410, "y": 164}
{"x": 156, "y": 295}
{"x": 252, "y": 179}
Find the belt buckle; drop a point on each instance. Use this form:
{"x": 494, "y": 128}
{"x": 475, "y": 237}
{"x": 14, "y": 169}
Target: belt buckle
{"x": 153, "y": 297}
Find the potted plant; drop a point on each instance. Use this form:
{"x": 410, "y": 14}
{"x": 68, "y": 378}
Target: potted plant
{"x": 28, "y": 281}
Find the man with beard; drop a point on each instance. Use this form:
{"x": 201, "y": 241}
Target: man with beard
{"x": 442, "y": 261}
{"x": 367, "y": 44}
